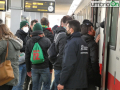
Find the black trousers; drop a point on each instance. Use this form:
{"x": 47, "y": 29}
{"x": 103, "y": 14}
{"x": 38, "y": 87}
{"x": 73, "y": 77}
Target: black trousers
{"x": 6, "y": 87}
{"x": 27, "y": 82}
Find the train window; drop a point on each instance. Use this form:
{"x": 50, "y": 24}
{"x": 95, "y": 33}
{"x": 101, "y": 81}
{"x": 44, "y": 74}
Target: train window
{"x": 113, "y": 30}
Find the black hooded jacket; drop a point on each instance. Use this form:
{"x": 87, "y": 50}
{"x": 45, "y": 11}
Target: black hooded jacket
{"x": 93, "y": 65}
{"x": 45, "y": 44}
{"x": 50, "y": 36}
{"x": 22, "y": 35}
{"x": 60, "y": 44}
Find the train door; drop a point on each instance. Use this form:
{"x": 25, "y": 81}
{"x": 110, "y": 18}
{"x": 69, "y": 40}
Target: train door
{"x": 113, "y": 52}
{"x": 110, "y": 50}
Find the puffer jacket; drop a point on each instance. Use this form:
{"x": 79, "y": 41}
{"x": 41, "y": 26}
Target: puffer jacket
{"x": 60, "y": 42}
{"x": 93, "y": 65}
{"x": 49, "y": 34}
{"x": 13, "y": 54}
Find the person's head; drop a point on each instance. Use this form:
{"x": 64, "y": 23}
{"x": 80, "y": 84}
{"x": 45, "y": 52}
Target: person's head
{"x": 24, "y": 25}
{"x": 73, "y": 26}
{"x": 38, "y": 29}
{"x": 86, "y": 21}
{"x": 87, "y": 29}
{"x": 64, "y": 20}
{"x": 44, "y": 21}
{"x": 33, "y": 22}
{"x": 5, "y": 32}
{"x": 1, "y": 21}
{"x": 54, "y": 28}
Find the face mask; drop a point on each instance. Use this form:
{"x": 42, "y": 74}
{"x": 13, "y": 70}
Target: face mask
{"x": 64, "y": 27}
{"x": 25, "y": 29}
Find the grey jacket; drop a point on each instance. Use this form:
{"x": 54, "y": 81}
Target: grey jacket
{"x": 13, "y": 54}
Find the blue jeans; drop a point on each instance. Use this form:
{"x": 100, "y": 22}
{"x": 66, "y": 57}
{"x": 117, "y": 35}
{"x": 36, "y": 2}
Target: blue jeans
{"x": 38, "y": 75}
{"x": 56, "y": 80}
{"x": 22, "y": 75}
{"x": 41, "y": 82}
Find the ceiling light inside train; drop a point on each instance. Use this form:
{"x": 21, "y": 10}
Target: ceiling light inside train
{"x": 73, "y": 6}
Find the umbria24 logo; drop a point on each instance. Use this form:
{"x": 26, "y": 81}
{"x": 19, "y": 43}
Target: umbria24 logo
{"x": 104, "y": 3}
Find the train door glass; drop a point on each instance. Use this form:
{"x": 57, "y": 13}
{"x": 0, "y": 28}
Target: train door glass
{"x": 113, "y": 32}
{"x": 105, "y": 48}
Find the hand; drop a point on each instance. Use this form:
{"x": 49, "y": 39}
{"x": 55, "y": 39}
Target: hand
{"x": 98, "y": 38}
{"x": 51, "y": 70}
{"x": 29, "y": 74}
{"x": 60, "y": 87}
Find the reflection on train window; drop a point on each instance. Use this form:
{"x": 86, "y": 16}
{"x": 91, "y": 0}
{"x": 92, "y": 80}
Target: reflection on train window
{"x": 113, "y": 32}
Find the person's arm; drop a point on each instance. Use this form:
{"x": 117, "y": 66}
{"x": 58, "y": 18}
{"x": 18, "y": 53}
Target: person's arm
{"x": 23, "y": 49}
{"x": 3, "y": 46}
{"x": 70, "y": 58}
{"x": 27, "y": 58}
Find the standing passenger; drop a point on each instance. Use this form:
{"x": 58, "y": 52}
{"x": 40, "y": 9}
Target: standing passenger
{"x": 27, "y": 79}
{"x": 22, "y": 33}
{"x": 14, "y": 46}
{"x": 60, "y": 36}
{"x": 75, "y": 59}
{"x": 39, "y": 70}
{"x": 93, "y": 65}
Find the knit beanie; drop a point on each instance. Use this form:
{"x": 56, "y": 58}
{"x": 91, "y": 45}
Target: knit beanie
{"x": 37, "y": 27}
{"x": 23, "y": 23}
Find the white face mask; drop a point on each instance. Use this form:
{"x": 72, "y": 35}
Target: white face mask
{"x": 25, "y": 29}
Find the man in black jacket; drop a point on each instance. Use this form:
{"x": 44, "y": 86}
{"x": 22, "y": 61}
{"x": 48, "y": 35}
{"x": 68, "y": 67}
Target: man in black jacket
{"x": 76, "y": 54}
{"x": 22, "y": 33}
{"x": 93, "y": 65}
{"x": 60, "y": 41}
{"x": 41, "y": 70}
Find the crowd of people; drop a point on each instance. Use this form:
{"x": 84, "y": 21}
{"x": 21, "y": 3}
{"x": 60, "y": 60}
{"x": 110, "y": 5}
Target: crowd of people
{"x": 36, "y": 49}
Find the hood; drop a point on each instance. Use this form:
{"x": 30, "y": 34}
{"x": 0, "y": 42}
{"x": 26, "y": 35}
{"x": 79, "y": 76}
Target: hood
{"x": 36, "y": 38}
{"x": 49, "y": 29}
{"x": 60, "y": 29}
{"x": 87, "y": 37}
{"x": 21, "y": 32}
{"x": 17, "y": 43}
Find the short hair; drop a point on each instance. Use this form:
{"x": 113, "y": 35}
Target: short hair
{"x": 75, "y": 25}
{"x": 65, "y": 19}
{"x": 44, "y": 21}
{"x": 1, "y": 21}
{"x": 33, "y": 21}
{"x": 85, "y": 28}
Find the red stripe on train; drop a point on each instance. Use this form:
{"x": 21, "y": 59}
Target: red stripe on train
{"x": 100, "y": 65}
{"x": 111, "y": 85}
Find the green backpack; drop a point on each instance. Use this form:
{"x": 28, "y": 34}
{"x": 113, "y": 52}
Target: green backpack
{"x": 37, "y": 54}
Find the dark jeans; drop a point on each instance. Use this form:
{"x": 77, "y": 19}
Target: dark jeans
{"x": 6, "y": 87}
{"x": 56, "y": 80}
{"x": 37, "y": 75}
{"x": 22, "y": 75}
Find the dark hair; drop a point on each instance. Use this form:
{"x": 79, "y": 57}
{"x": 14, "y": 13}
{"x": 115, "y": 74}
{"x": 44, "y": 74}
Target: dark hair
{"x": 65, "y": 19}
{"x": 33, "y": 21}
{"x": 85, "y": 28}
{"x": 75, "y": 25}
{"x": 87, "y": 22}
{"x": 44, "y": 21}
{"x": 1, "y": 21}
